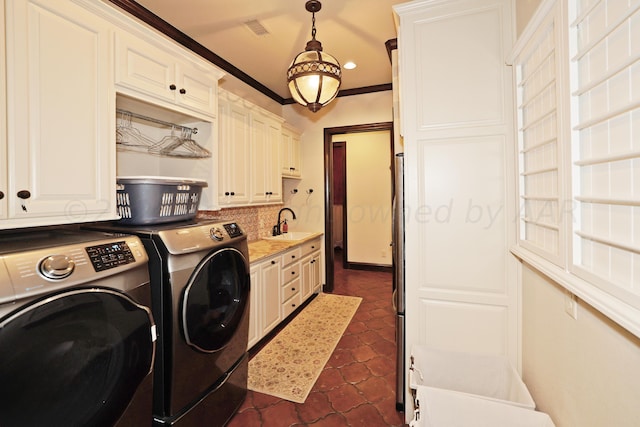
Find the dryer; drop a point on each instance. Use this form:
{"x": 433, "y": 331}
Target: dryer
{"x": 77, "y": 337}
{"x": 200, "y": 299}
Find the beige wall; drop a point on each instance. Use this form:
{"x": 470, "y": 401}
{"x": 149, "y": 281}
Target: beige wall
{"x": 524, "y": 11}
{"x": 583, "y": 372}
{"x": 344, "y": 111}
{"x": 368, "y": 197}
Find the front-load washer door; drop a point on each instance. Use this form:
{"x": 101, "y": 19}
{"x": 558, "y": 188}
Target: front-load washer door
{"x": 73, "y": 359}
{"x": 215, "y": 300}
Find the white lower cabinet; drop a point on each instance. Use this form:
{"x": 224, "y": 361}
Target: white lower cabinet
{"x": 60, "y": 156}
{"x": 264, "y": 310}
{"x": 311, "y": 265}
{"x": 291, "y": 281}
{"x": 280, "y": 284}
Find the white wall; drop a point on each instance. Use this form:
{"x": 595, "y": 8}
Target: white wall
{"x": 344, "y": 111}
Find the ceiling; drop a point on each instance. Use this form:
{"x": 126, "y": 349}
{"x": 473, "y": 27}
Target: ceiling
{"x": 350, "y": 30}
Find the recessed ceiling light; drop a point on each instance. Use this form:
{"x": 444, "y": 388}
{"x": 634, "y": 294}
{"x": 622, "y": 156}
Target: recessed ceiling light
{"x": 349, "y": 65}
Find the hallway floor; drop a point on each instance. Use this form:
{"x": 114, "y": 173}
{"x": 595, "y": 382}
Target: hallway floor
{"x": 357, "y": 386}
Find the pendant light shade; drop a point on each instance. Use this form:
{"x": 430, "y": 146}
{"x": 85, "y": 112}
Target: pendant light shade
{"x": 314, "y": 77}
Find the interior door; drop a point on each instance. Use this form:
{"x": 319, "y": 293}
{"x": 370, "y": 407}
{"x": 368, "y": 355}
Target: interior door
{"x": 73, "y": 359}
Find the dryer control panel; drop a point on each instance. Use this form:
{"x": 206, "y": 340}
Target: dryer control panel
{"x": 83, "y": 258}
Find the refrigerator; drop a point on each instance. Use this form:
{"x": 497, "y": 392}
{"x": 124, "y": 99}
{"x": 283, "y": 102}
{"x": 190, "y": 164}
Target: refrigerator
{"x": 398, "y": 277}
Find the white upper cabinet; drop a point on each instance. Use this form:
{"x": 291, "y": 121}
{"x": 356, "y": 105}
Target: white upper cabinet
{"x": 290, "y": 152}
{"x": 233, "y": 164}
{"x": 156, "y": 73}
{"x": 60, "y": 159}
{"x": 266, "y": 182}
{"x": 3, "y": 122}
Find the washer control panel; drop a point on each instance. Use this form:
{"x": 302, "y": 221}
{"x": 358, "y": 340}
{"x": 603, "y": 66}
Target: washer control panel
{"x": 110, "y": 255}
{"x": 201, "y": 236}
{"x": 233, "y": 229}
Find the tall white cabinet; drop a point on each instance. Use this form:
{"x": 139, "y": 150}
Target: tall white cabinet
{"x": 456, "y": 116}
{"x": 60, "y": 161}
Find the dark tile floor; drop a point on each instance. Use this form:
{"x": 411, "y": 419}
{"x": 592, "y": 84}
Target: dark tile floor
{"x": 357, "y": 386}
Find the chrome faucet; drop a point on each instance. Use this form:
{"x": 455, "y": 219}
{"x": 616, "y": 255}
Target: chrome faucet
{"x": 276, "y": 228}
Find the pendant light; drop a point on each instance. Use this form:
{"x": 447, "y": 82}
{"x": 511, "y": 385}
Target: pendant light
{"x": 314, "y": 76}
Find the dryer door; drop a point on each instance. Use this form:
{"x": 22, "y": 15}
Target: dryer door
{"x": 73, "y": 359}
{"x": 215, "y": 300}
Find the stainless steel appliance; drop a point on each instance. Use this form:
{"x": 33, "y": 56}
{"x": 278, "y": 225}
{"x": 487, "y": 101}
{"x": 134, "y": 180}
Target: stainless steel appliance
{"x": 77, "y": 337}
{"x": 398, "y": 278}
{"x": 200, "y": 299}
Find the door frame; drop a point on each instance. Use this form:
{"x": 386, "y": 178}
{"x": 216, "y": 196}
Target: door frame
{"x": 328, "y": 186}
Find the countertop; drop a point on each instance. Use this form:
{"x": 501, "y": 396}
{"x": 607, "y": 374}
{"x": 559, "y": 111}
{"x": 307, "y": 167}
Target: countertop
{"x": 259, "y": 249}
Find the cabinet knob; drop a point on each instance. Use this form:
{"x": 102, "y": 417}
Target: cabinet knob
{"x": 293, "y": 257}
{"x": 312, "y": 261}
{"x": 226, "y": 193}
{"x": 293, "y": 289}
{"x": 24, "y": 194}
{"x": 293, "y": 273}
{"x": 233, "y": 193}
{"x": 183, "y": 91}
{"x": 1, "y": 195}
{"x": 292, "y": 169}
{"x": 273, "y": 262}
{"x": 172, "y": 87}
{"x": 313, "y": 247}
{"x": 293, "y": 305}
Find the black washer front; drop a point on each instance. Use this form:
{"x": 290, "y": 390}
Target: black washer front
{"x": 80, "y": 355}
{"x": 215, "y": 300}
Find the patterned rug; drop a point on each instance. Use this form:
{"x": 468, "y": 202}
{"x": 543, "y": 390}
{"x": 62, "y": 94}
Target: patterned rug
{"x": 289, "y": 365}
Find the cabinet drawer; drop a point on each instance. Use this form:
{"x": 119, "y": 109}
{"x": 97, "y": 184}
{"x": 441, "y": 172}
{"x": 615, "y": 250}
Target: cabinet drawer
{"x": 291, "y": 272}
{"x": 291, "y": 255}
{"x": 310, "y": 246}
{"x": 290, "y": 289}
{"x": 290, "y": 305}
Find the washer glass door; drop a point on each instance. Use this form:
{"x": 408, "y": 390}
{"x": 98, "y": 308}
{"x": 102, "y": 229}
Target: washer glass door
{"x": 215, "y": 300}
{"x": 73, "y": 359}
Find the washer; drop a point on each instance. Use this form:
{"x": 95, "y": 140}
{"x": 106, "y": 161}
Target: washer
{"x": 200, "y": 299}
{"x": 77, "y": 337}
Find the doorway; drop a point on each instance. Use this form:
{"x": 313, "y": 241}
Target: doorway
{"x": 330, "y": 215}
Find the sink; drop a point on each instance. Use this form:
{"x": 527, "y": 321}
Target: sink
{"x": 291, "y": 236}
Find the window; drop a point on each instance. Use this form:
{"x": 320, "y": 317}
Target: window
{"x": 605, "y": 90}
{"x": 536, "y": 71}
{"x": 577, "y": 70}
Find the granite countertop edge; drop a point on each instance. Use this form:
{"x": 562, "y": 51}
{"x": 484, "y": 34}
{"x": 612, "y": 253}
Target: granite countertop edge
{"x": 263, "y": 248}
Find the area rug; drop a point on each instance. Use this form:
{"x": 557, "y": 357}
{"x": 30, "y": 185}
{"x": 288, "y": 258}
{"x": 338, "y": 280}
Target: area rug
{"x": 289, "y": 365}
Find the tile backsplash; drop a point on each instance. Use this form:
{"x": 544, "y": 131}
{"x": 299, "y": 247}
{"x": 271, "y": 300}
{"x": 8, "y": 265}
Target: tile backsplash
{"x": 255, "y": 221}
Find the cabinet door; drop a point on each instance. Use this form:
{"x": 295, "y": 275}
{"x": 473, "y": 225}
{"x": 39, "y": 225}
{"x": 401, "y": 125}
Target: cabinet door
{"x": 259, "y": 152}
{"x": 270, "y": 286}
{"x": 197, "y": 89}
{"x": 3, "y": 122}
{"x": 254, "y": 306}
{"x": 316, "y": 272}
{"x": 234, "y": 154}
{"x": 60, "y": 127}
{"x": 145, "y": 68}
{"x": 266, "y": 185}
{"x": 290, "y": 154}
{"x": 307, "y": 277}
{"x": 273, "y": 167}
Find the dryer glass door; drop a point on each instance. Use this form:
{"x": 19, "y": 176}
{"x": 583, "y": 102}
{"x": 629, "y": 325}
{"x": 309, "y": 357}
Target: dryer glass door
{"x": 73, "y": 359}
{"x": 215, "y": 300}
